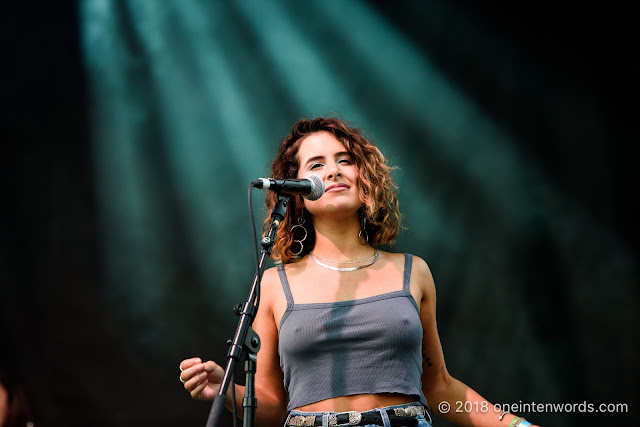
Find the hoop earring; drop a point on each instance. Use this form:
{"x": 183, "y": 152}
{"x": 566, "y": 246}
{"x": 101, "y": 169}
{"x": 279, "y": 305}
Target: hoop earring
{"x": 299, "y": 241}
{"x": 363, "y": 231}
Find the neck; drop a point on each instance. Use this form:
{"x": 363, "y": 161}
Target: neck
{"x": 338, "y": 240}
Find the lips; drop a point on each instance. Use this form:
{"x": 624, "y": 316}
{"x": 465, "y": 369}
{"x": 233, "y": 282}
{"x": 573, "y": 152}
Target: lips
{"x": 336, "y": 187}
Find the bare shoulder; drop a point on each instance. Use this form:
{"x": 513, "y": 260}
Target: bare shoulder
{"x": 272, "y": 294}
{"x": 397, "y": 259}
{"x": 270, "y": 283}
{"x": 270, "y": 275}
{"x": 421, "y": 268}
{"x": 422, "y": 278}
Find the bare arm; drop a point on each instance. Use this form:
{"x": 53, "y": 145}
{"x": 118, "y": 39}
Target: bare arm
{"x": 202, "y": 380}
{"x": 464, "y": 406}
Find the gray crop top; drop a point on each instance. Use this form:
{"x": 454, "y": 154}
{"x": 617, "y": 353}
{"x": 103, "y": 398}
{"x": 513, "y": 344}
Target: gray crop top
{"x": 365, "y": 346}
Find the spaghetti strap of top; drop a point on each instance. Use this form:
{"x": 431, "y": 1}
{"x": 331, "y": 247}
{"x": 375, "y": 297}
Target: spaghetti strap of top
{"x": 406, "y": 279}
{"x": 285, "y": 284}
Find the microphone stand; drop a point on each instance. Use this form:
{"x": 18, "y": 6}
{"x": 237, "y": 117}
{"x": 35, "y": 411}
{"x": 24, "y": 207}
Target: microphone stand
{"x": 245, "y": 338}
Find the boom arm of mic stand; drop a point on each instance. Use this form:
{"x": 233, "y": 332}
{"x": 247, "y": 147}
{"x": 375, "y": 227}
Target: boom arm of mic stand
{"x": 247, "y": 314}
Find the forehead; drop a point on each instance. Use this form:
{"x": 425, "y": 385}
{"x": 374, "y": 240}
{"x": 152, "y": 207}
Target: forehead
{"x": 319, "y": 144}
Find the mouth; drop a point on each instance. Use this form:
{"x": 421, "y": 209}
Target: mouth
{"x": 336, "y": 187}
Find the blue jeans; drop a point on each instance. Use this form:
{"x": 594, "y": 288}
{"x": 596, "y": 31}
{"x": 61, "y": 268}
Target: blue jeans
{"x": 422, "y": 421}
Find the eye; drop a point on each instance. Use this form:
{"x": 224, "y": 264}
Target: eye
{"x": 315, "y": 166}
{"x": 345, "y": 160}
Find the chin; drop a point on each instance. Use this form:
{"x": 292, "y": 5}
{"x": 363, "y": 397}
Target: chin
{"x": 336, "y": 208}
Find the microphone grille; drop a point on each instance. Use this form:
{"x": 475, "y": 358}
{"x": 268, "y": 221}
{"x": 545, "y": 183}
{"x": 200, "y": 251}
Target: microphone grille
{"x": 317, "y": 187}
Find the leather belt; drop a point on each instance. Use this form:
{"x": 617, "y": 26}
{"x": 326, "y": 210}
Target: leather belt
{"x": 404, "y": 416}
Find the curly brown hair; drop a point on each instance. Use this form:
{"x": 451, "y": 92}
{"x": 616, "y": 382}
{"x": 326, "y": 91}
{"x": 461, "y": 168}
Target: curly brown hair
{"x": 379, "y": 214}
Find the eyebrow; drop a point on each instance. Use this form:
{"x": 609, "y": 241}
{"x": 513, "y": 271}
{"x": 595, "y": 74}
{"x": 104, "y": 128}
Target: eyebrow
{"x": 338, "y": 154}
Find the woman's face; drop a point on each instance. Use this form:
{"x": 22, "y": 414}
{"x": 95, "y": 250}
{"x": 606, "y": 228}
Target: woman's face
{"x": 323, "y": 155}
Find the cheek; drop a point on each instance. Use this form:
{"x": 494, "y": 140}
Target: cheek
{"x": 356, "y": 177}
{"x": 304, "y": 173}
{"x": 355, "y": 172}
{"x": 356, "y": 181}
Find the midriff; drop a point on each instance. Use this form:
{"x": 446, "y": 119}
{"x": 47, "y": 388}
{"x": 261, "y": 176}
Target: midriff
{"x": 357, "y": 402}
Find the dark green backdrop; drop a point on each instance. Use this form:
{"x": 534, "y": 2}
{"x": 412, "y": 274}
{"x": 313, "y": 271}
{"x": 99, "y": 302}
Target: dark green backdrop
{"x": 135, "y": 127}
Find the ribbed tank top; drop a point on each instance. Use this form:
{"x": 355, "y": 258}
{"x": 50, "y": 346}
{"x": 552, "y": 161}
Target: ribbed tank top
{"x": 365, "y": 346}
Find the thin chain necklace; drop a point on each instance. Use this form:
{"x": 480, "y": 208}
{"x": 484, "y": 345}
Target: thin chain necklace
{"x": 346, "y": 262}
{"x": 372, "y": 259}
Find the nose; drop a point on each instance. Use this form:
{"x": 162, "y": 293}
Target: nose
{"x": 334, "y": 172}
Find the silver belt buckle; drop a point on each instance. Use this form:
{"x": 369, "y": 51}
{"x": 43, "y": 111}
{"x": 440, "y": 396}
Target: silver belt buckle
{"x": 302, "y": 420}
{"x": 354, "y": 419}
{"x": 409, "y": 411}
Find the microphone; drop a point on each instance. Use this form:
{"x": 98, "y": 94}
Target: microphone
{"x": 310, "y": 188}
